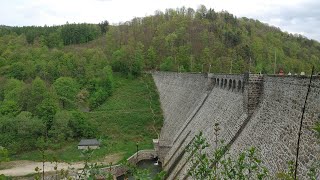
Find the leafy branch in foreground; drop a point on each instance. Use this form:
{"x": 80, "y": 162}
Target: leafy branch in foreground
{"x": 221, "y": 165}
{"x": 92, "y": 170}
{"x": 288, "y": 174}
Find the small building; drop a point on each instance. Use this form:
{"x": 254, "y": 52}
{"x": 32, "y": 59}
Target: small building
{"x": 89, "y": 143}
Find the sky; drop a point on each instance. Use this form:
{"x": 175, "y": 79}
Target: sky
{"x": 294, "y": 16}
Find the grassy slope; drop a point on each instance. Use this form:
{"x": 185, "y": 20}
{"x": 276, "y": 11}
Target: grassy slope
{"x": 124, "y": 120}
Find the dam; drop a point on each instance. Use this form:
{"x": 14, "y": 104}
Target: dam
{"x": 263, "y": 111}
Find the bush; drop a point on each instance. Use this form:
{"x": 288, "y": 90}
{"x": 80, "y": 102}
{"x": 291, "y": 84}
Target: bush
{"x": 101, "y": 88}
{"x": 20, "y": 133}
{"x": 81, "y": 127}
{"x": 97, "y": 98}
{"x": 167, "y": 65}
{"x": 121, "y": 67}
{"x": 60, "y": 130}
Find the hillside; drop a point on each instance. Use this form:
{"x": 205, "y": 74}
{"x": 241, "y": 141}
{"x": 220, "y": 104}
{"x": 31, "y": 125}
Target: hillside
{"x": 52, "y": 97}
{"x": 122, "y": 121}
{"x": 184, "y": 39}
{"x": 191, "y": 40}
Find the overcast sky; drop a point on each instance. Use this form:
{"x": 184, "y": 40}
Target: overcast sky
{"x": 294, "y": 16}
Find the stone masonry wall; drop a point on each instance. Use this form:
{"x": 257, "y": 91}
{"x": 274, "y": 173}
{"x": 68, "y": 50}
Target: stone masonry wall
{"x": 252, "y": 110}
{"x": 274, "y": 126}
{"x": 179, "y": 94}
{"x": 253, "y": 89}
{"x": 223, "y": 107}
{"x": 309, "y": 144}
{"x": 221, "y": 104}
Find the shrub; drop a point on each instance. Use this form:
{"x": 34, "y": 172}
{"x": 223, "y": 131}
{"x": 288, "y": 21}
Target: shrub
{"x": 81, "y": 127}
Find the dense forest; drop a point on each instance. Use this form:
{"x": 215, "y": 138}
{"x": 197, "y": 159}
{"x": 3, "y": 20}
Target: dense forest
{"x": 57, "y": 36}
{"x": 189, "y": 40}
{"x": 44, "y": 91}
{"x": 50, "y": 75}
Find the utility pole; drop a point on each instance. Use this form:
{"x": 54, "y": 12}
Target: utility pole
{"x": 250, "y": 66}
{"x": 231, "y": 66}
{"x": 300, "y": 127}
{"x": 275, "y": 62}
{"x": 191, "y": 62}
{"x": 209, "y": 68}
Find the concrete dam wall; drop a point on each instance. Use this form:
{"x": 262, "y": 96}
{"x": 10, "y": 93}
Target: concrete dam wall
{"x": 179, "y": 95}
{"x": 252, "y": 110}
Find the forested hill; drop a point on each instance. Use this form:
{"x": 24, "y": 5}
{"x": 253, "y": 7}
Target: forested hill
{"x": 187, "y": 39}
{"x": 181, "y": 39}
{"x": 57, "y": 36}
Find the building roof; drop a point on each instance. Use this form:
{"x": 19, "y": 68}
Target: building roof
{"x": 89, "y": 142}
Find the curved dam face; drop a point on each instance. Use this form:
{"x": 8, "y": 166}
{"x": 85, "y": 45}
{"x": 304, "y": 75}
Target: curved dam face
{"x": 179, "y": 94}
{"x": 252, "y": 110}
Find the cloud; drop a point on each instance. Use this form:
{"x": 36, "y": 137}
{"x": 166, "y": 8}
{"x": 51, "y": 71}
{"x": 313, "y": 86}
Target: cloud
{"x": 302, "y": 17}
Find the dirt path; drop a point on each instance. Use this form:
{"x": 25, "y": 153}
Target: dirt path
{"x": 22, "y": 168}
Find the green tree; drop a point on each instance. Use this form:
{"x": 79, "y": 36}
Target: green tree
{"x": 9, "y": 107}
{"x": 17, "y": 71}
{"x": 53, "y": 40}
{"x": 167, "y": 65}
{"x": 38, "y": 92}
{"x": 119, "y": 62}
{"x": 138, "y": 60}
{"x": 60, "y": 130}
{"x": 81, "y": 127}
{"x": 183, "y": 55}
{"x": 104, "y": 26}
{"x": 46, "y": 111}
{"x": 107, "y": 80}
{"x": 100, "y": 88}
{"x": 151, "y": 58}
{"x": 4, "y": 155}
{"x": 13, "y": 89}
{"x": 28, "y": 130}
{"x": 171, "y": 43}
{"x": 67, "y": 89}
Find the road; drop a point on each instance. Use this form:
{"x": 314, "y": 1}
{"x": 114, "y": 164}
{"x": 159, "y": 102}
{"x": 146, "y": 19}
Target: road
{"x": 23, "y": 167}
